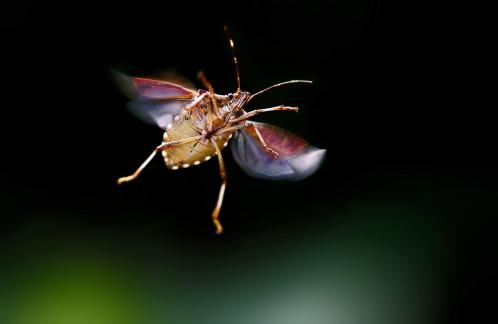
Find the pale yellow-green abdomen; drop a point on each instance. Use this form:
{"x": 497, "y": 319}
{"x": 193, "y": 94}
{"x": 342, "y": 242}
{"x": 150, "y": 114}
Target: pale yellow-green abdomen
{"x": 193, "y": 153}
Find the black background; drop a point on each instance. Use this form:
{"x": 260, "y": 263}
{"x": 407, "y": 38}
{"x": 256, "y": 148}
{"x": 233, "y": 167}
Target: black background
{"x": 395, "y": 101}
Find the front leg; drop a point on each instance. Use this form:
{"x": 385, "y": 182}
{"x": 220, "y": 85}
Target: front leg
{"x": 249, "y": 124}
{"x": 252, "y": 113}
{"x": 205, "y": 82}
{"x": 265, "y": 146}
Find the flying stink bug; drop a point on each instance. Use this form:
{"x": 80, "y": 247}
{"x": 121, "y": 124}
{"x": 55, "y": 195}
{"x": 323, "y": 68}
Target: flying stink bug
{"x": 199, "y": 124}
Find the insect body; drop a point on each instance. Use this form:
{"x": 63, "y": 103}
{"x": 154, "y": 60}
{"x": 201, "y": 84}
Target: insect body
{"x": 199, "y": 124}
{"x": 202, "y": 119}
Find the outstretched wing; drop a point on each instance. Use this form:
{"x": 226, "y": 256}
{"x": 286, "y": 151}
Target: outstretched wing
{"x": 154, "y": 102}
{"x": 297, "y": 159}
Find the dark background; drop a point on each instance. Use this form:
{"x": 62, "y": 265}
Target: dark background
{"x": 395, "y": 101}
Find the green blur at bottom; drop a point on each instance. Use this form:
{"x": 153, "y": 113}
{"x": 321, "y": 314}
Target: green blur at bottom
{"x": 373, "y": 261}
{"x": 86, "y": 291}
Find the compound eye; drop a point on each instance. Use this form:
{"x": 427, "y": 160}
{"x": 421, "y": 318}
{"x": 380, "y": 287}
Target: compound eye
{"x": 230, "y": 96}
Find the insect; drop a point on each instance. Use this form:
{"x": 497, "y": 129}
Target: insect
{"x": 198, "y": 124}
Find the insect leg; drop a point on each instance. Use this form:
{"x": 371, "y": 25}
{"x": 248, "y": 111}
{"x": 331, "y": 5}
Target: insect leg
{"x": 202, "y": 77}
{"x": 249, "y": 124}
{"x": 265, "y": 146}
{"x": 232, "y": 129}
{"x": 140, "y": 168}
{"x": 196, "y": 101}
{"x": 161, "y": 147}
{"x": 252, "y": 113}
{"x": 216, "y": 211}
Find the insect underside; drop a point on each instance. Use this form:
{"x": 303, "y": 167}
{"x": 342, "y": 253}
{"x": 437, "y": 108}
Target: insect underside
{"x": 190, "y": 123}
{"x": 199, "y": 124}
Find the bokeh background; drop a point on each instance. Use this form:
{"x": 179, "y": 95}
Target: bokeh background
{"x": 398, "y": 226}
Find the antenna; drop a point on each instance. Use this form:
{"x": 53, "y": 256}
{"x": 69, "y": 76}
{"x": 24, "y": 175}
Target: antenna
{"x": 232, "y": 46}
{"x": 278, "y": 85}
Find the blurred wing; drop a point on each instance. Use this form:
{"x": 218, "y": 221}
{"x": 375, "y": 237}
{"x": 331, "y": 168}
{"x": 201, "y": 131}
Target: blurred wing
{"x": 154, "y": 111}
{"x": 154, "y": 102}
{"x": 297, "y": 159}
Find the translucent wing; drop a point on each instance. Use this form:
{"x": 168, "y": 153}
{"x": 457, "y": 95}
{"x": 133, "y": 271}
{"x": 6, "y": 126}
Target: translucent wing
{"x": 297, "y": 159}
{"x": 154, "y": 102}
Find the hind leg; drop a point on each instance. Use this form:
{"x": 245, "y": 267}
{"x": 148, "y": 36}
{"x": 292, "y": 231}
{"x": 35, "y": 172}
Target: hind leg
{"x": 216, "y": 211}
{"x": 161, "y": 147}
{"x": 140, "y": 168}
